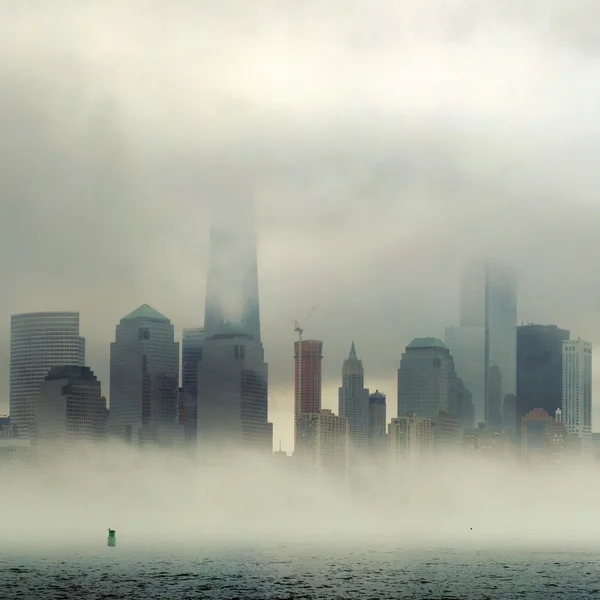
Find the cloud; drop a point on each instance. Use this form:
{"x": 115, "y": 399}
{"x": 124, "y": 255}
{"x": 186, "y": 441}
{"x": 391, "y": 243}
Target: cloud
{"x": 382, "y": 143}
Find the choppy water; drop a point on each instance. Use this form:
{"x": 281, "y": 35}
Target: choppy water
{"x": 302, "y": 571}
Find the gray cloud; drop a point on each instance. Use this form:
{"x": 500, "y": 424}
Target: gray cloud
{"x": 382, "y": 143}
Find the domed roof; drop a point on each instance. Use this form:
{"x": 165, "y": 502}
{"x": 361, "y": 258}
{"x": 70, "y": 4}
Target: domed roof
{"x": 427, "y": 342}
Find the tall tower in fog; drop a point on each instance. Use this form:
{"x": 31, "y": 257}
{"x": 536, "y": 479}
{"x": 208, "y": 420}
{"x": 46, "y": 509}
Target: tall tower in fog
{"x": 144, "y": 379}
{"x": 38, "y": 342}
{"x": 232, "y": 397}
{"x": 577, "y": 390}
{"x": 354, "y": 402}
{"x": 485, "y": 345}
{"x": 307, "y": 377}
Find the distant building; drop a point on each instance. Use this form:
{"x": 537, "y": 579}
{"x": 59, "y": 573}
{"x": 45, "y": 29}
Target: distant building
{"x": 233, "y": 399}
{"x": 378, "y": 443}
{"x": 192, "y": 343}
{"x": 307, "y": 380}
{"x": 354, "y": 403}
{"x": 467, "y": 346}
{"x": 536, "y": 425}
{"x": 577, "y": 391}
{"x": 427, "y": 382}
{"x": 448, "y": 435}
{"x": 539, "y": 368}
{"x": 70, "y": 411}
{"x": 38, "y": 342}
{"x": 411, "y": 440}
{"x": 509, "y": 415}
{"x": 488, "y": 320}
{"x": 144, "y": 379}
{"x": 323, "y": 443}
{"x": 466, "y": 409}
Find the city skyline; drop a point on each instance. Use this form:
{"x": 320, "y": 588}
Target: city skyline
{"x": 153, "y": 146}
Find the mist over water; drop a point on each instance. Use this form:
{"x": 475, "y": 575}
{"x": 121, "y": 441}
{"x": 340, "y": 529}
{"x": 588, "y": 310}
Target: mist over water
{"x": 180, "y": 501}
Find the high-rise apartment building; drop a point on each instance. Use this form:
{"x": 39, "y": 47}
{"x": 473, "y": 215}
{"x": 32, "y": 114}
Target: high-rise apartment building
{"x": 38, "y": 342}
{"x": 377, "y": 424}
{"x": 192, "y": 342}
{"x": 411, "y": 440}
{"x": 232, "y": 405}
{"x": 427, "y": 382}
{"x": 144, "y": 379}
{"x": 488, "y": 321}
{"x": 323, "y": 443}
{"x": 307, "y": 380}
{"x": 354, "y": 403}
{"x": 577, "y": 391}
{"x": 539, "y": 368}
{"x": 70, "y": 410}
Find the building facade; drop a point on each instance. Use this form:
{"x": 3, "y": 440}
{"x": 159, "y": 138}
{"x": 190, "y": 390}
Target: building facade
{"x": 70, "y": 410}
{"x": 577, "y": 391}
{"x": 38, "y": 342}
{"x": 539, "y": 368}
{"x": 353, "y": 403}
{"x": 378, "y": 444}
{"x": 488, "y": 321}
{"x": 232, "y": 398}
{"x": 323, "y": 443}
{"x": 308, "y": 358}
{"x": 411, "y": 440}
{"x": 192, "y": 342}
{"x": 427, "y": 382}
{"x": 144, "y": 379}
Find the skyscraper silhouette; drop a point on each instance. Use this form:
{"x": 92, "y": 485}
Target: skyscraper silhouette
{"x": 232, "y": 401}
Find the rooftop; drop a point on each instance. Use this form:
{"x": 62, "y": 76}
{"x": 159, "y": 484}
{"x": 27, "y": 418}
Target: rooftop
{"x": 427, "y": 342}
{"x": 145, "y": 311}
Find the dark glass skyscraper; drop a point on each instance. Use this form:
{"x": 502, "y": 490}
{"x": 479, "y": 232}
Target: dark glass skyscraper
{"x": 232, "y": 400}
{"x": 192, "y": 344}
{"x": 539, "y": 369}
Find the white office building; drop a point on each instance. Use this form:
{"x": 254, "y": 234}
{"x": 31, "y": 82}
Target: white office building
{"x": 577, "y": 390}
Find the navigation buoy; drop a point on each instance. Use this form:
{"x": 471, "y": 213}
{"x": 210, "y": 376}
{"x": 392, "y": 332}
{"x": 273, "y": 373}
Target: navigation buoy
{"x": 112, "y": 540}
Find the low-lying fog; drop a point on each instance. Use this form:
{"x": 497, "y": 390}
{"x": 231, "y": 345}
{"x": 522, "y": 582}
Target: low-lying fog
{"x": 180, "y": 501}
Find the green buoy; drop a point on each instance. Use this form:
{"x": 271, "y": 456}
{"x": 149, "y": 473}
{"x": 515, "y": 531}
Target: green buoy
{"x": 112, "y": 540}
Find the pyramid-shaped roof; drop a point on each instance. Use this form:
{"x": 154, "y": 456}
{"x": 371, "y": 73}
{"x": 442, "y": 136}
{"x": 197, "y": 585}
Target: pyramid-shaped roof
{"x": 145, "y": 311}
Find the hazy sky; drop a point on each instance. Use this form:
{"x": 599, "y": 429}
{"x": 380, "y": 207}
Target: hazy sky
{"x": 381, "y": 141}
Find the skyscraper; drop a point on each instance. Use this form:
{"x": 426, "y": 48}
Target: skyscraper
{"x": 539, "y": 368}
{"x": 411, "y": 440}
{"x": 488, "y": 321}
{"x": 232, "y": 399}
{"x": 323, "y": 443}
{"x": 354, "y": 403}
{"x": 144, "y": 379}
{"x": 70, "y": 410}
{"x": 192, "y": 342}
{"x": 307, "y": 380}
{"x": 38, "y": 342}
{"x": 427, "y": 382}
{"x": 577, "y": 391}
{"x": 377, "y": 424}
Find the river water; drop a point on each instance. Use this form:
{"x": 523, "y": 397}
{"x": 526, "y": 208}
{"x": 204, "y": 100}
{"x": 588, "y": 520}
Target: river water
{"x": 295, "y": 571}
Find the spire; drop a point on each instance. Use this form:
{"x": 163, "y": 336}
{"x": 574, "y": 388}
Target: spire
{"x": 352, "y": 355}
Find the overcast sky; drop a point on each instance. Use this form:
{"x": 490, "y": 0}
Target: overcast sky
{"x": 382, "y": 142}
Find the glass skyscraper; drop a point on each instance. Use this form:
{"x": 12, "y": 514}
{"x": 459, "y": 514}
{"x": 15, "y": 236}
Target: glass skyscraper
{"x": 38, "y": 342}
{"x": 488, "y": 330}
{"x": 192, "y": 344}
{"x": 232, "y": 400}
{"x": 144, "y": 379}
